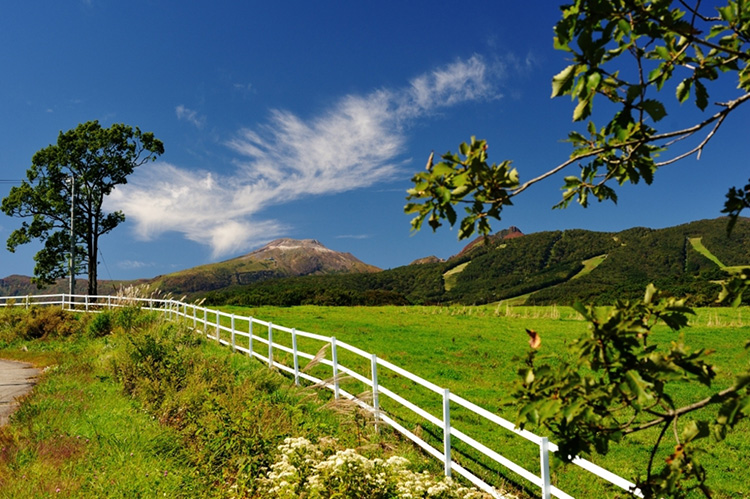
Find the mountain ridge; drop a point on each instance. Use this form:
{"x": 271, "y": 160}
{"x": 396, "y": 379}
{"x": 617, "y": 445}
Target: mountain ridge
{"x": 551, "y": 267}
{"x": 537, "y": 268}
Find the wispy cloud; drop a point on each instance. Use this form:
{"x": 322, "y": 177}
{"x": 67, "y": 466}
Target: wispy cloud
{"x": 189, "y": 115}
{"x": 244, "y": 89}
{"x": 134, "y": 264}
{"x": 357, "y": 142}
{"x": 354, "y": 236}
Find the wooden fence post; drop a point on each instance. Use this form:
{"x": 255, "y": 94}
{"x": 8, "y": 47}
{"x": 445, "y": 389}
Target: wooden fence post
{"x": 270, "y": 345}
{"x": 335, "y": 361}
{"x": 447, "y": 432}
{"x": 544, "y": 461}
{"x": 233, "y": 345}
{"x": 375, "y": 398}
{"x": 250, "y": 336}
{"x": 294, "y": 355}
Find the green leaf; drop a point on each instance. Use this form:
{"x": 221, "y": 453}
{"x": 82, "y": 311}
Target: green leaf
{"x": 701, "y": 95}
{"x": 563, "y": 81}
{"x": 634, "y": 91}
{"x": 654, "y": 108}
{"x": 593, "y": 81}
{"x": 582, "y": 110}
{"x": 624, "y": 26}
{"x": 683, "y": 90}
{"x": 695, "y": 430}
{"x": 591, "y": 128}
{"x": 443, "y": 169}
{"x": 638, "y": 387}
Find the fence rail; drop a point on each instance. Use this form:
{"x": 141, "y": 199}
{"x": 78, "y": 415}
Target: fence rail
{"x": 243, "y": 334}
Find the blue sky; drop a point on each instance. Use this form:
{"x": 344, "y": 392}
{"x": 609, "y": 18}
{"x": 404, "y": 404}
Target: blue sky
{"x": 307, "y": 120}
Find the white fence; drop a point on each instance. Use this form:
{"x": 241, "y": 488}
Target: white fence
{"x": 278, "y": 346}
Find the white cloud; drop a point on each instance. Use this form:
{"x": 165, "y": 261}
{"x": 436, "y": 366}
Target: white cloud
{"x": 190, "y": 116}
{"x": 354, "y": 236}
{"x": 133, "y": 264}
{"x": 359, "y": 141}
{"x": 458, "y": 82}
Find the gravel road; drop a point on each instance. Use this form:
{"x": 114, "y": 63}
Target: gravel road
{"x": 16, "y": 379}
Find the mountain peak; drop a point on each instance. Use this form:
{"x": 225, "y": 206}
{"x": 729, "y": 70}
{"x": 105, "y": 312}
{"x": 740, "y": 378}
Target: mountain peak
{"x": 509, "y": 233}
{"x": 288, "y": 244}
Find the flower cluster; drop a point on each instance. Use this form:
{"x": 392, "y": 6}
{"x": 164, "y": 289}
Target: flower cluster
{"x": 316, "y": 472}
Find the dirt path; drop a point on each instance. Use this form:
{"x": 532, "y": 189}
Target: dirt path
{"x": 16, "y": 379}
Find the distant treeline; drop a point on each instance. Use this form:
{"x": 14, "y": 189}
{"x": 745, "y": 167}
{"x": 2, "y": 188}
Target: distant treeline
{"x": 546, "y": 266}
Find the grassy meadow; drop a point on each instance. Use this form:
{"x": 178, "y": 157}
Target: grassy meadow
{"x": 132, "y": 409}
{"x": 129, "y": 405}
{"x": 474, "y": 352}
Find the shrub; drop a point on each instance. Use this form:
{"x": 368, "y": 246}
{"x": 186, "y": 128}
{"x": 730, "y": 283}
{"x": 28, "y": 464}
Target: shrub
{"x": 100, "y": 325}
{"x": 36, "y": 323}
{"x": 131, "y": 317}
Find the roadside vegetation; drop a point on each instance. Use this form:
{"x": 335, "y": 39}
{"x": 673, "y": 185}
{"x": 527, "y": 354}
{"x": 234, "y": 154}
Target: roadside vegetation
{"x": 130, "y": 405}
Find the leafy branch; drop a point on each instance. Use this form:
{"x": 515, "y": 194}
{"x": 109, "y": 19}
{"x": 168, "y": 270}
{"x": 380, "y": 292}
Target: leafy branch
{"x": 598, "y": 34}
{"x": 618, "y": 383}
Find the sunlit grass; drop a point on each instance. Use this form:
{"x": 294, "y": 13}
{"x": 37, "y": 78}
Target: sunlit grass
{"x": 475, "y": 352}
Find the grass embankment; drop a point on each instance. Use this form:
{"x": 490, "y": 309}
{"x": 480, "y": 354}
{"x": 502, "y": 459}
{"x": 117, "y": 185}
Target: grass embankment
{"x": 473, "y": 351}
{"x": 130, "y": 406}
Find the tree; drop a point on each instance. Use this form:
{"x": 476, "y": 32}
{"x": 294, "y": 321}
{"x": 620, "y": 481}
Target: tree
{"x": 633, "y": 54}
{"x": 94, "y": 160}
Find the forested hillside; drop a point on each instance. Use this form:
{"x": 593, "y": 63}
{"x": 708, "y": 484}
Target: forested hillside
{"x": 548, "y": 267}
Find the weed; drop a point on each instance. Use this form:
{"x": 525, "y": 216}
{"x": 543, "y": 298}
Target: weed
{"x": 100, "y": 325}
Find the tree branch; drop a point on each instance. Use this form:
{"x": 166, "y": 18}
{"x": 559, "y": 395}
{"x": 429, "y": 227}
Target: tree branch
{"x": 684, "y": 410}
{"x": 678, "y": 134}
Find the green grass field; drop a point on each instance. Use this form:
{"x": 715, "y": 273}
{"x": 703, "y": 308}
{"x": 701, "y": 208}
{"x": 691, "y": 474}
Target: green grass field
{"x": 473, "y": 351}
{"x": 697, "y": 244}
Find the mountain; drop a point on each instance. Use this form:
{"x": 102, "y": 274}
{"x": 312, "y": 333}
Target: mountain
{"x": 21, "y": 285}
{"x": 494, "y": 239}
{"x": 277, "y": 259}
{"x": 549, "y": 267}
{"x": 427, "y": 259}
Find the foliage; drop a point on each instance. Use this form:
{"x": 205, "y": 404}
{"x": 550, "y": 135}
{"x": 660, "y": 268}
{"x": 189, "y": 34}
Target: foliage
{"x": 101, "y": 324}
{"x": 457, "y": 179}
{"x": 35, "y": 323}
{"x": 400, "y": 286}
{"x": 618, "y": 382}
{"x": 628, "y": 53}
{"x": 97, "y": 159}
{"x": 316, "y": 471}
